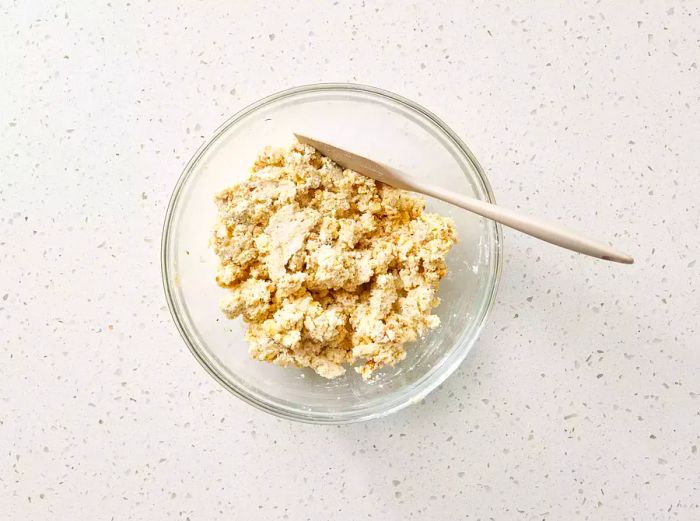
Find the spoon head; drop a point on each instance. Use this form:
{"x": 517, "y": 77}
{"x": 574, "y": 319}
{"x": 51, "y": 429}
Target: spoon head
{"x": 359, "y": 164}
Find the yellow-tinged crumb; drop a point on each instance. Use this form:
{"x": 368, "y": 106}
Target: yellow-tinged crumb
{"x": 327, "y": 266}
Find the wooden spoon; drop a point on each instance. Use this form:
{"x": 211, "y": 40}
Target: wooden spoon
{"x": 546, "y": 231}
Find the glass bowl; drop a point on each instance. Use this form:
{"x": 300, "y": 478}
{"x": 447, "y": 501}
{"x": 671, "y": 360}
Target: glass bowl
{"x": 371, "y": 122}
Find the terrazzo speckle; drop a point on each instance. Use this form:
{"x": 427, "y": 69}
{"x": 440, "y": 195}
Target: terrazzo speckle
{"x": 581, "y": 399}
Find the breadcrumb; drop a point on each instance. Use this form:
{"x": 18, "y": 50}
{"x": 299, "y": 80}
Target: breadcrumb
{"x": 327, "y": 266}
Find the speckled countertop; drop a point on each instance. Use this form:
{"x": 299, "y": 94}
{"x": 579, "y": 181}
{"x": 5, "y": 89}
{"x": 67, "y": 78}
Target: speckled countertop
{"x": 581, "y": 400}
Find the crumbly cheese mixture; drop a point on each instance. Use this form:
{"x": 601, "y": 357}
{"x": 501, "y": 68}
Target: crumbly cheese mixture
{"x": 327, "y": 266}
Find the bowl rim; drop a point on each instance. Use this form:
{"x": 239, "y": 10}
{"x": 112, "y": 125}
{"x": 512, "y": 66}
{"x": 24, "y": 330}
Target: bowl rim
{"x": 315, "y": 417}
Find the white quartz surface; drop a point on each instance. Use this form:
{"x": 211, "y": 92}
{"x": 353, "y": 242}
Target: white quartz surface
{"x": 581, "y": 399}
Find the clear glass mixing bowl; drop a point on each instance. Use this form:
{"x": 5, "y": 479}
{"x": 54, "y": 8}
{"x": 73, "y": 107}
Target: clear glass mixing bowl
{"x": 371, "y": 122}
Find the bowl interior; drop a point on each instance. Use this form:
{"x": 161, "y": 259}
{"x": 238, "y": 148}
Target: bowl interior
{"x": 372, "y": 123}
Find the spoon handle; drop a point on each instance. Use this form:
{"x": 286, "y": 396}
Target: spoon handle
{"x": 547, "y": 231}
